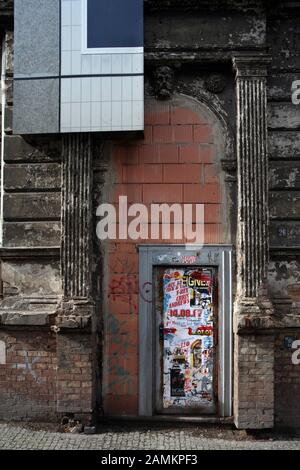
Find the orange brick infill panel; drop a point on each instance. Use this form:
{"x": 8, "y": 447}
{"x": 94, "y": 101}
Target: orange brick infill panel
{"x": 126, "y": 155}
{"x": 212, "y": 234}
{"x": 120, "y": 404}
{"x": 122, "y": 246}
{"x": 185, "y": 116}
{"x": 121, "y": 324}
{"x": 211, "y": 174}
{"x": 123, "y": 284}
{"x": 123, "y": 263}
{"x": 127, "y": 364}
{"x": 125, "y": 384}
{"x": 203, "y": 134}
{"x": 173, "y": 134}
{"x": 148, "y": 135}
{"x": 132, "y": 191}
{"x": 162, "y": 193}
{"x": 182, "y": 173}
{"x": 212, "y": 213}
{"x": 123, "y": 304}
{"x": 196, "y": 153}
{"x": 158, "y": 153}
{"x": 159, "y": 113}
{"x": 151, "y": 173}
{"x": 205, "y": 193}
{"x": 121, "y": 343}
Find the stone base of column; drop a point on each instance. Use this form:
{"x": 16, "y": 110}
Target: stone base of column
{"x": 78, "y": 383}
{"x": 253, "y": 381}
{"x": 252, "y": 314}
{"x": 77, "y": 375}
{"x": 75, "y": 314}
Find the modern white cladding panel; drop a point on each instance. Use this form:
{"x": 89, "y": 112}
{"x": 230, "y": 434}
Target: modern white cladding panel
{"x": 104, "y": 86}
{"x": 110, "y": 103}
{"x": 99, "y": 60}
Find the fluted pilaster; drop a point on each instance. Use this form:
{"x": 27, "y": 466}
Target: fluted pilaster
{"x": 252, "y": 158}
{"x": 76, "y": 216}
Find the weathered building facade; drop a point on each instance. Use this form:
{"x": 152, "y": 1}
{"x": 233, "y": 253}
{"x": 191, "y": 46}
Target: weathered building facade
{"x": 79, "y": 331}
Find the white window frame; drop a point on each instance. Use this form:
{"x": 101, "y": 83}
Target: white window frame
{"x": 101, "y": 50}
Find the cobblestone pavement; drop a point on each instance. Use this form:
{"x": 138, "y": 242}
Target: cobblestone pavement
{"x": 19, "y": 436}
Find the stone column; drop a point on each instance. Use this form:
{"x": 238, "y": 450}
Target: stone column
{"x": 75, "y": 323}
{"x": 252, "y": 166}
{"x": 76, "y": 216}
{"x": 76, "y": 248}
{"x": 254, "y": 342}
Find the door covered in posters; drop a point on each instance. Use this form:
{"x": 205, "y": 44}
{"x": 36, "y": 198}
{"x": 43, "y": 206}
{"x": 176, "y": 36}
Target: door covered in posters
{"x": 186, "y": 313}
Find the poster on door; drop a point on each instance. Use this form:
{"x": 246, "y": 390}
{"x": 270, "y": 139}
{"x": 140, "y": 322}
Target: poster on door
{"x": 188, "y": 338}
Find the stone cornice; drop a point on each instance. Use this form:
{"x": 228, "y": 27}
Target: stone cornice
{"x": 206, "y": 5}
{"x": 29, "y": 253}
{"x": 6, "y": 14}
{"x": 251, "y": 65}
{"x": 198, "y": 54}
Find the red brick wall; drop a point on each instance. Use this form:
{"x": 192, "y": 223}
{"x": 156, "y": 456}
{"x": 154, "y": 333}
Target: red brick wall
{"x": 253, "y": 381}
{"x": 75, "y": 373}
{"x": 46, "y": 376}
{"x": 28, "y": 377}
{"x": 177, "y": 162}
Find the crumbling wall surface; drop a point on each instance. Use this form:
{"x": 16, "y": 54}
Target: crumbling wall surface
{"x": 195, "y": 40}
{"x": 31, "y": 226}
{"x": 283, "y": 40}
{"x": 202, "y": 24}
{"x": 30, "y": 266}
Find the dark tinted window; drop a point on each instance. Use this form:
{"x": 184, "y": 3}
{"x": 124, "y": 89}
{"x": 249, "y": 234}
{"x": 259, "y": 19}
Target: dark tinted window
{"x": 115, "y": 23}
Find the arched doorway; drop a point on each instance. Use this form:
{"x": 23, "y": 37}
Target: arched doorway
{"x": 178, "y": 161}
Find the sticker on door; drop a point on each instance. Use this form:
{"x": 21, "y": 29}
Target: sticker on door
{"x": 188, "y": 338}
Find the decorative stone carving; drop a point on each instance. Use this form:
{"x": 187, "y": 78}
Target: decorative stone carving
{"x": 163, "y": 82}
{"x": 215, "y": 83}
{"x": 252, "y": 175}
{"x": 196, "y": 90}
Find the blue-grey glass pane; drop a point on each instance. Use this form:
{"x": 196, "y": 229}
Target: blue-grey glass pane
{"x": 115, "y": 23}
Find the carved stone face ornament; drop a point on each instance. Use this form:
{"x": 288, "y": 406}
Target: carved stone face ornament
{"x": 215, "y": 83}
{"x": 163, "y": 82}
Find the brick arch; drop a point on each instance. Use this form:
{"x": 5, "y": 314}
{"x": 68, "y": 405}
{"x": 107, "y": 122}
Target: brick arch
{"x": 177, "y": 161}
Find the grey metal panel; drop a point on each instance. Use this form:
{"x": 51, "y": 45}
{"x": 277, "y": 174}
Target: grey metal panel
{"x": 219, "y": 256}
{"x": 36, "y": 106}
{"x": 225, "y": 336}
{"x": 145, "y": 339}
{"x": 36, "y": 38}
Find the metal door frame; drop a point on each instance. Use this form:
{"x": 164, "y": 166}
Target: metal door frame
{"x": 218, "y": 256}
{"x": 158, "y": 376}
